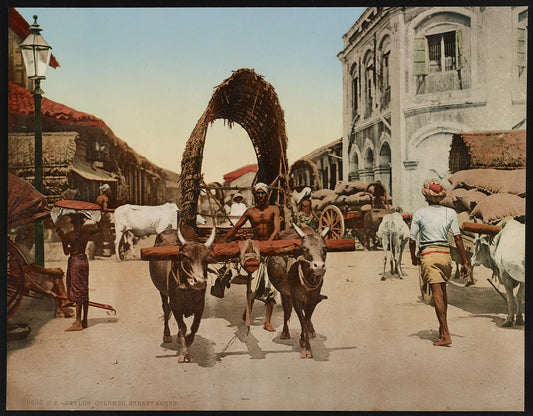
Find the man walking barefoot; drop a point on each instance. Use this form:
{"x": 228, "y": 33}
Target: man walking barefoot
{"x": 431, "y": 224}
{"x": 266, "y": 225}
{"x": 74, "y": 244}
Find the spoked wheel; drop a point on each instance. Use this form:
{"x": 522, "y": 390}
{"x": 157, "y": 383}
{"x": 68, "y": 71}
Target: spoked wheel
{"x": 15, "y": 282}
{"x": 332, "y": 217}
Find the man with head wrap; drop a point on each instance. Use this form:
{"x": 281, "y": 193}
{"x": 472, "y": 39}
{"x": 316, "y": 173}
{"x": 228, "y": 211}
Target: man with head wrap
{"x": 265, "y": 220}
{"x": 431, "y": 224}
{"x": 105, "y": 235}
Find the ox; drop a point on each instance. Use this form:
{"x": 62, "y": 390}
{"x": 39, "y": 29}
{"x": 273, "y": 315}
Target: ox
{"x": 184, "y": 282}
{"x": 142, "y": 220}
{"x": 394, "y": 234}
{"x": 505, "y": 255}
{"x": 300, "y": 280}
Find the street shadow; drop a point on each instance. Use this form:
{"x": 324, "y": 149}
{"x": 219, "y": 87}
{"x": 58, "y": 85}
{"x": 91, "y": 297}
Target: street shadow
{"x": 36, "y": 312}
{"x": 97, "y": 321}
{"x": 201, "y": 352}
{"x": 431, "y": 335}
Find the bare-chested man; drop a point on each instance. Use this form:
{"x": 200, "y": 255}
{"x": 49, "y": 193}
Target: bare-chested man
{"x": 265, "y": 222}
{"x": 74, "y": 244}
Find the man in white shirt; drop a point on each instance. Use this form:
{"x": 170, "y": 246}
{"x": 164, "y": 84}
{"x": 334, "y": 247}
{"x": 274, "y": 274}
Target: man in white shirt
{"x": 431, "y": 224}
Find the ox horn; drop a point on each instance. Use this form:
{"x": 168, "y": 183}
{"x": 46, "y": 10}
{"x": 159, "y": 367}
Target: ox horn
{"x": 180, "y": 236}
{"x": 325, "y": 232}
{"x": 298, "y": 230}
{"x": 211, "y": 239}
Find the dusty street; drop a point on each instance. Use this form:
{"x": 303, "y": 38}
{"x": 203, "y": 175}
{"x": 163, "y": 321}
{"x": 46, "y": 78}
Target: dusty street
{"x": 373, "y": 349}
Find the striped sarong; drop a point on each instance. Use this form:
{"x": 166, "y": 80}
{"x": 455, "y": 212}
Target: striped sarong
{"x": 78, "y": 278}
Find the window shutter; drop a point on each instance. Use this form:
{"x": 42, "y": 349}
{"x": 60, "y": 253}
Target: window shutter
{"x": 459, "y": 49}
{"x": 419, "y": 56}
{"x": 522, "y": 53}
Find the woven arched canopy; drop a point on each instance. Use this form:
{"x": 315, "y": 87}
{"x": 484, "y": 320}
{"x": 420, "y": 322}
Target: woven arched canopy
{"x": 307, "y": 164}
{"x": 247, "y": 99}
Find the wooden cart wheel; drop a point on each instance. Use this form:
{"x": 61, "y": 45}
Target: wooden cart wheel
{"x": 15, "y": 282}
{"x": 332, "y": 216}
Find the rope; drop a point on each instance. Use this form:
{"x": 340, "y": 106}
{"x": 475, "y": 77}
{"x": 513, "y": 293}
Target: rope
{"x": 302, "y": 278}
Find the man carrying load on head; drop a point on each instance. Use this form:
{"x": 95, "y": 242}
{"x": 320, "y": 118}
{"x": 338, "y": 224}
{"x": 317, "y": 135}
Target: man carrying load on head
{"x": 431, "y": 225}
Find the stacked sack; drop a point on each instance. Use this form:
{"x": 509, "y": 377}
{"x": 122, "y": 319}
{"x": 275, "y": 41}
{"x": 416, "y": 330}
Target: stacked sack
{"x": 347, "y": 196}
{"x": 488, "y": 195}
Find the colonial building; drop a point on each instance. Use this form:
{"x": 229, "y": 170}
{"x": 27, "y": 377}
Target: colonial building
{"x": 414, "y": 76}
{"x": 80, "y": 152}
{"x": 320, "y": 169}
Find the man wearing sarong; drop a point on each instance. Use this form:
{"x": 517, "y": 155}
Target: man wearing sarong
{"x": 74, "y": 244}
{"x": 105, "y": 235}
{"x": 265, "y": 220}
{"x": 431, "y": 224}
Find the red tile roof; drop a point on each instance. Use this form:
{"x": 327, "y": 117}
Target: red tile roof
{"x": 231, "y": 176}
{"x": 20, "y": 101}
{"x": 20, "y": 26}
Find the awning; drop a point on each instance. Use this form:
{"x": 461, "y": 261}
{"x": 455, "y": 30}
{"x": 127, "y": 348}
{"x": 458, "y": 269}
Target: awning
{"x": 86, "y": 171}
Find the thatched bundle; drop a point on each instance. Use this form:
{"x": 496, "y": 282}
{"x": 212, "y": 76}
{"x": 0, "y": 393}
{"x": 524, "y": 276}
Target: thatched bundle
{"x": 246, "y": 99}
{"x": 488, "y": 149}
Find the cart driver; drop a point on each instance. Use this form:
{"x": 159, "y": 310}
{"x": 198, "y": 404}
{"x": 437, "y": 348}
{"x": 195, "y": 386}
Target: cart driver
{"x": 265, "y": 220}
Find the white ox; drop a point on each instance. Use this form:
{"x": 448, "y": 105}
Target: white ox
{"x": 394, "y": 234}
{"x": 505, "y": 255}
{"x": 142, "y": 220}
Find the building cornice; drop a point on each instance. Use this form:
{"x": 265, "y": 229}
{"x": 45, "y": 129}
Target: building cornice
{"x": 431, "y": 107}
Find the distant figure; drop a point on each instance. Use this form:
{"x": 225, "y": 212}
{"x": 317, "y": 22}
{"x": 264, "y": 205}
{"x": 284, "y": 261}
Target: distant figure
{"x": 74, "y": 244}
{"x": 306, "y": 216}
{"x": 379, "y": 195}
{"x": 237, "y": 207}
{"x": 105, "y": 235}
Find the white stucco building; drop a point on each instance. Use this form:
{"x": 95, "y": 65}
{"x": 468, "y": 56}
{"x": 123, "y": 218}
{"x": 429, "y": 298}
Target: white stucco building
{"x": 414, "y": 76}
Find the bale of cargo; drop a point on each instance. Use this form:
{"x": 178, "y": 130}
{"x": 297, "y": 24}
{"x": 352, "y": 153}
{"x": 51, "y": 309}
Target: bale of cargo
{"x": 322, "y": 193}
{"x": 329, "y": 200}
{"x": 350, "y": 188}
{"x": 497, "y": 206}
{"x": 491, "y": 181}
{"x": 470, "y": 198}
{"x": 358, "y": 199}
{"x": 450, "y": 200}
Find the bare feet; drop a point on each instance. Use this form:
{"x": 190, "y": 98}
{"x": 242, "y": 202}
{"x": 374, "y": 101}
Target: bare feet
{"x": 268, "y": 327}
{"x": 84, "y": 323}
{"x": 76, "y": 327}
{"x": 442, "y": 342}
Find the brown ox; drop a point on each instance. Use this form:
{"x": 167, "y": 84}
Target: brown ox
{"x": 184, "y": 281}
{"x": 300, "y": 280}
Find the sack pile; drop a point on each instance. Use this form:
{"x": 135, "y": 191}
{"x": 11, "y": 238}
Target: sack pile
{"x": 347, "y": 196}
{"x": 488, "y": 195}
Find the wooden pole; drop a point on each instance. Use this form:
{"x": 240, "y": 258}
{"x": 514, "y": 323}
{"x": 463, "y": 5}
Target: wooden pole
{"x": 225, "y": 251}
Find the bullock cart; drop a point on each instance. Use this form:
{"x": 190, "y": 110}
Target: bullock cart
{"x": 244, "y": 98}
{"x": 340, "y": 222}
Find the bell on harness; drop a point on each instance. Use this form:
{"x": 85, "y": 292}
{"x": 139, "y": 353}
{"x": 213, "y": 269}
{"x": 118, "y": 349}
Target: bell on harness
{"x": 221, "y": 283}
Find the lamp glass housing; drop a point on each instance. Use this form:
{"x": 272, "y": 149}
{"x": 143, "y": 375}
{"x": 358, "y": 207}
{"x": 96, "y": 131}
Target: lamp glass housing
{"x": 36, "y": 53}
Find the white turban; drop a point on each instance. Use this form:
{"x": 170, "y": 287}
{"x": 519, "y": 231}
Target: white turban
{"x": 262, "y": 186}
{"x": 104, "y": 187}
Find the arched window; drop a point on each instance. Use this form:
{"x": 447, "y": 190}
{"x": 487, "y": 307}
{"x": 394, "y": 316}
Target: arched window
{"x": 385, "y": 72}
{"x": 369, "y": 159}
{"x": 355, "y": 89}
{"x": 369, "y": 84}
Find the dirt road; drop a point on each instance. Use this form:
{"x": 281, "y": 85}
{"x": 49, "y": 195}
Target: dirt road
{"x": 373, "y": 349}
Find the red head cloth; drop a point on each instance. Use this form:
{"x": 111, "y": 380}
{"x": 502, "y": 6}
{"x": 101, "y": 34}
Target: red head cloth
{"x": 433, "y": 190}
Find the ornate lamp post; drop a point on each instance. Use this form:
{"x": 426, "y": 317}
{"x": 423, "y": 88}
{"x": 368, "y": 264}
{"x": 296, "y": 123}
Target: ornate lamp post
{"x": 36, "y": 53}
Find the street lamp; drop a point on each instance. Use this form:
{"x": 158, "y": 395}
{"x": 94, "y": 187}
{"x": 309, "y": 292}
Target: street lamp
{"x": 36, "y": 53}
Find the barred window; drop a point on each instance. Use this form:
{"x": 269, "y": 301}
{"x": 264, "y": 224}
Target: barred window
{"x": 442, "y": 52}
